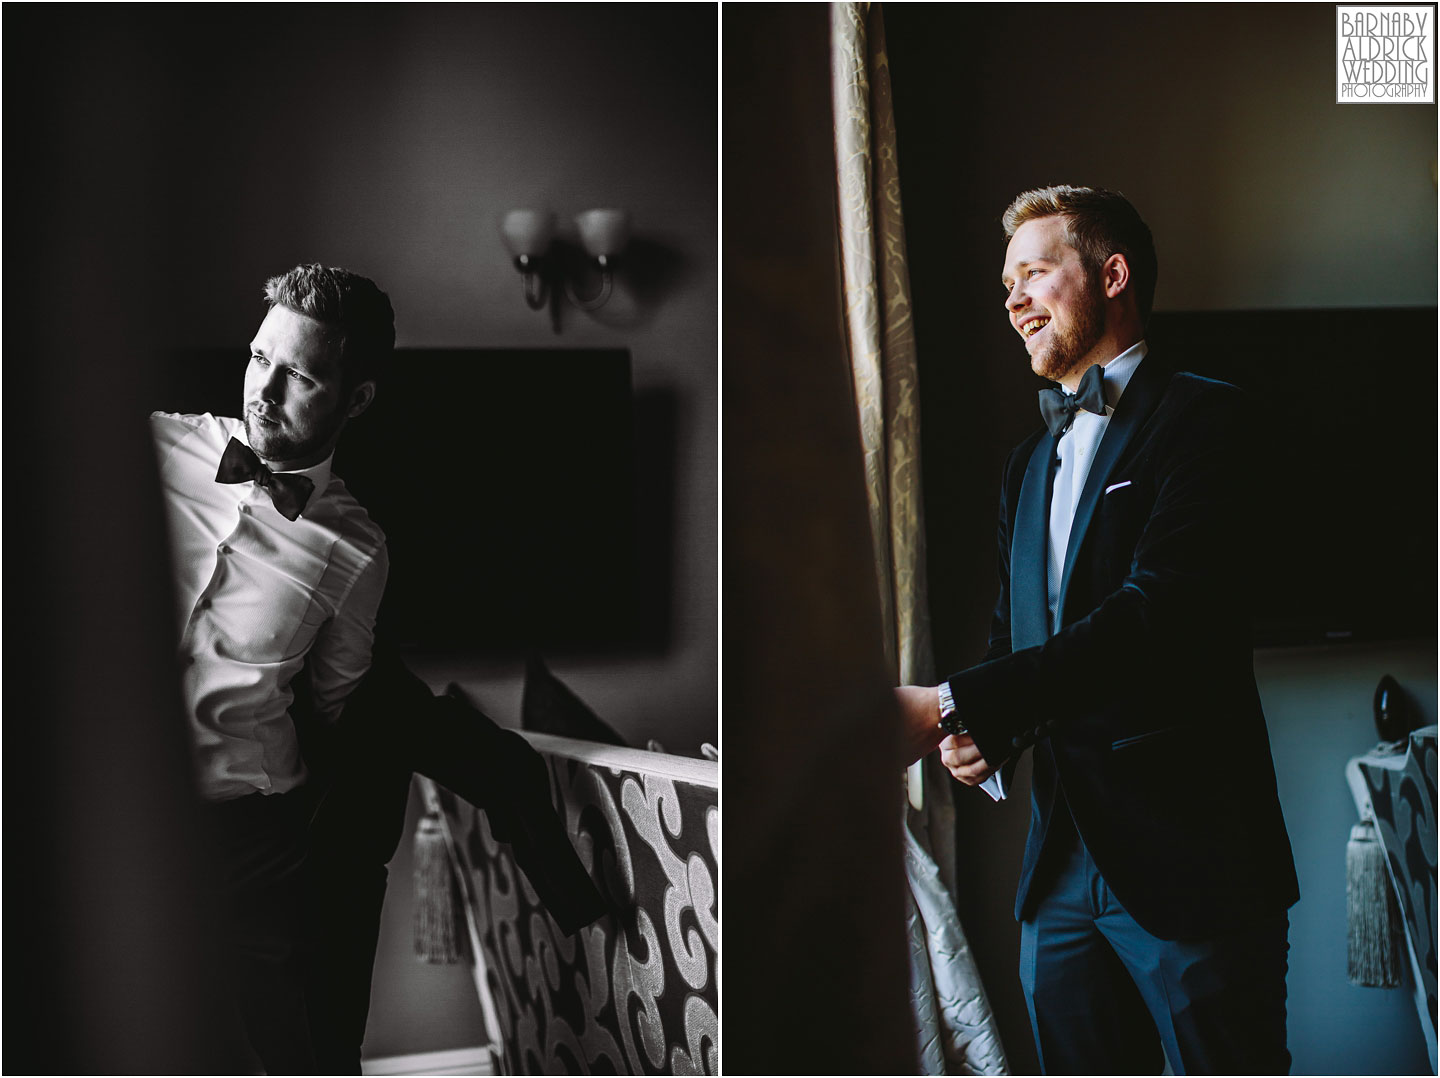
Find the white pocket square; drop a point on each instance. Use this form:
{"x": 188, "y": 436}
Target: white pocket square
{"x": 1116, "y": 486}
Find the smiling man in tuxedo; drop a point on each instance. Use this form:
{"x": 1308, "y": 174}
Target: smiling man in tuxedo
{"x": 1157, "y": 872}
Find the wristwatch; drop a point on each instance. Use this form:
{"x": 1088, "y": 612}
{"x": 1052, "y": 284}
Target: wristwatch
{"x": 949, "y": 718}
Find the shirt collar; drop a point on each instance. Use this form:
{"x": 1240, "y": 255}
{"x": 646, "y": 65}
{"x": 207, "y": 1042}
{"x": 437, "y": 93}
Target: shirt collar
{"x": 1119, "y": 370}
{"x": 319, "y": 474}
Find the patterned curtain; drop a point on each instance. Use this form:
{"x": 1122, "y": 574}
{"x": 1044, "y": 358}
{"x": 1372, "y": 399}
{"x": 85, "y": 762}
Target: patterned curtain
{"x": 955, "y": 1028}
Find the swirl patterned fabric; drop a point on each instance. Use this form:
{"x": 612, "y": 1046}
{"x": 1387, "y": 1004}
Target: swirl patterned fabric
{"x": 880, "y": 330}
{"x": 636, "y": 992}
{"x": 1404, "y": 806}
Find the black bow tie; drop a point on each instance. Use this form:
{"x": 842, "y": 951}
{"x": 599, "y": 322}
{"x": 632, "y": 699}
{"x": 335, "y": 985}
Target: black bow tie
{"x": 288, "y": 492}
{"x": 1059, "y": 408}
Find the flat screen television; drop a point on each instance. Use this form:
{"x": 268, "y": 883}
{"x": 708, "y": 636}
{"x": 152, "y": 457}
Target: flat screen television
{"x": 1345, "y": 465}
{"x": 504, "y": 481}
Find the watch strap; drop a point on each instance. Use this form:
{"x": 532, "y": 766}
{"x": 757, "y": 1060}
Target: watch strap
{"x": 949, "y": 717}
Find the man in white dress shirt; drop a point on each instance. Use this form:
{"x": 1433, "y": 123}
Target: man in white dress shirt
{"x": 276, "y": 568}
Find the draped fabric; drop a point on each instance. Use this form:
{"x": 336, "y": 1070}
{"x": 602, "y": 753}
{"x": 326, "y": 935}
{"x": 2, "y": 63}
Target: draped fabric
{"x": 956, "y": 1031}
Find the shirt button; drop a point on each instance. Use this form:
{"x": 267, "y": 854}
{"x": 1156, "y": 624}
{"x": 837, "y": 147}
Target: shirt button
{"x": 244, "y": 508}
{"x": 203, "y": 604}
{"x": 224, "y": 549}
{"x": 1018, "y": 742}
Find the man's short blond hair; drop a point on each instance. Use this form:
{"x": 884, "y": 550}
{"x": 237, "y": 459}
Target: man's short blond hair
{"x": 1098, "y": 223}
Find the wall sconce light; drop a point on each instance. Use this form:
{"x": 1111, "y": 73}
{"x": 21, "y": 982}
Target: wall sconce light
{"x": 603, "y": 234}
{"x": 528, "y": 234}
{"x": 545, "y": 263}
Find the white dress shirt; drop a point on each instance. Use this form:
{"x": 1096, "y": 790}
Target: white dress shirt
{"x": 257, "y": 596}
{"x": 1076, "y": 450}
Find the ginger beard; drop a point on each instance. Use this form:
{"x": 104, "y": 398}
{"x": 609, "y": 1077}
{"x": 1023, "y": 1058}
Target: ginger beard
{"x": 1061, "y": 348}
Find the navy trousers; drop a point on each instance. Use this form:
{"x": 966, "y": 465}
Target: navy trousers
{"x": 1106, "y": 997}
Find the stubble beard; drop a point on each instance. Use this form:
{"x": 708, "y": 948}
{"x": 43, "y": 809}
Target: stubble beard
{"x": 1067, "y": 349}
{"x": 272, "y": 445}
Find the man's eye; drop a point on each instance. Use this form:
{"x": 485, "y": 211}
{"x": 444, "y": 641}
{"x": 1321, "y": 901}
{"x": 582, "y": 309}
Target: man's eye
{"x": 260, "y": 360}
{"x": 299, "y": 377}
{"x": 1031, "y": 273}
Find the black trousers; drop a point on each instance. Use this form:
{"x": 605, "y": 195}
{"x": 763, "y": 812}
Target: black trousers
{"x": 359, "y": 787}
{"x": 394, "y": 726}
{"x": 354, "y": 832}
{"x": 258, "y": 845}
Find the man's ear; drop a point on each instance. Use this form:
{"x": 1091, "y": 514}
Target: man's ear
{"x": 1115, "y": 275}
{"x": 360, "y": 399}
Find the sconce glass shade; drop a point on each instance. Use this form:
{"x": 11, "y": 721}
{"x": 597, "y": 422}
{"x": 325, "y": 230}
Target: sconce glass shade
{"x": 528, "y": 232}
{"x": 603, "y": 232}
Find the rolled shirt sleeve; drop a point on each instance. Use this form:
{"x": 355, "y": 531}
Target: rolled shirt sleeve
{"x": 343, "y": 647}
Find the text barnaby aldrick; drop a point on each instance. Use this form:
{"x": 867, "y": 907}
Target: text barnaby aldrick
{"x": 1384, "y": 54}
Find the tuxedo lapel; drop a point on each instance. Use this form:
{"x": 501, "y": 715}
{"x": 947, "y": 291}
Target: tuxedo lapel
{"x": 1141, "y": 396}
{"x": 1029, "y": 603}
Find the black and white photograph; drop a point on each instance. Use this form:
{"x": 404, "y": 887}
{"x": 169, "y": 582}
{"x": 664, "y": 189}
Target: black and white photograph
{"x": 363, "y": 656}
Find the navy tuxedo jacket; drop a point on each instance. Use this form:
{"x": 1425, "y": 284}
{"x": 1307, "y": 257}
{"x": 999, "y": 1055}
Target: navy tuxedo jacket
{"x": 1140, "y": 701}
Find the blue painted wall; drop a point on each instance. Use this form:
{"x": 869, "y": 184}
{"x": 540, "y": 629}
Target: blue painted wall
{"x": 1318, "y": 702}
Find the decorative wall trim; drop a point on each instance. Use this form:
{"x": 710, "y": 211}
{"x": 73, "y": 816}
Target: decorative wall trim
{"x": 477, "y": 1060}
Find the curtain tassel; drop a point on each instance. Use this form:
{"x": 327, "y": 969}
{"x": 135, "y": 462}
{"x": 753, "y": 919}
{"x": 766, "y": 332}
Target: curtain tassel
{"x": 1373, "y": 936}
{"x": 435, "y": 935}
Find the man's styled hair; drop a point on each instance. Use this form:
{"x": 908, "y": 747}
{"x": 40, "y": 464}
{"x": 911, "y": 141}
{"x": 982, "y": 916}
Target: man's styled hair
{"x": 1099, "y": 223}
{"x": 352, "y": 307}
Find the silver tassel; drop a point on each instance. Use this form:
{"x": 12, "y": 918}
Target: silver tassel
{"x": 1372, "y": 914}
{"x": 435, "y": 935}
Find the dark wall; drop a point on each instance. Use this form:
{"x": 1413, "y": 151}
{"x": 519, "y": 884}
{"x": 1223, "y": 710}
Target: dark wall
{"x": 1218, "y": 122}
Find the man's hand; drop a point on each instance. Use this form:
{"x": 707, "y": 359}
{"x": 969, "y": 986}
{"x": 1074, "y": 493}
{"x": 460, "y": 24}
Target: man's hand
{"x": 963, "y": 760}
{"x": 920, "y": 720}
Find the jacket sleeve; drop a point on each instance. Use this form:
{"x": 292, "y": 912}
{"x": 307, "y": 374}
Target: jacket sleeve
{"x": 394, "y": 720}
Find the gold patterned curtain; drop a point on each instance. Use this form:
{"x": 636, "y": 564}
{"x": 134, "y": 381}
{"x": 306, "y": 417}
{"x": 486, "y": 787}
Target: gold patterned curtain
{"x": 955, "y": 1028}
